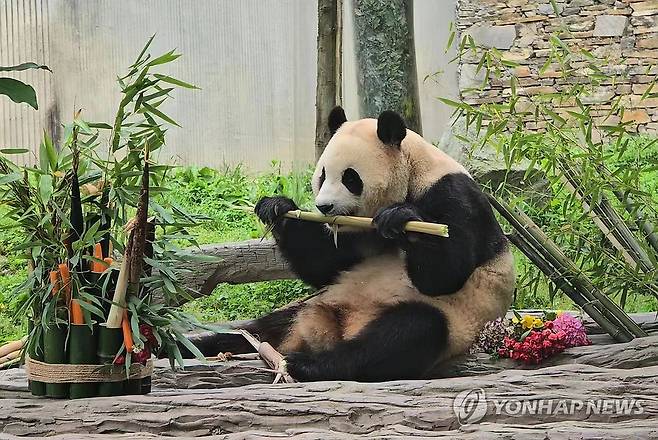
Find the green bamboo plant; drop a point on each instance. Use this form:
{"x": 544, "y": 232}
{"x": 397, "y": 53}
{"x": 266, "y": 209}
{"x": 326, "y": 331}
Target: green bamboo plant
{"x": 598, "y": 242}
{"x": 104, "y": 164}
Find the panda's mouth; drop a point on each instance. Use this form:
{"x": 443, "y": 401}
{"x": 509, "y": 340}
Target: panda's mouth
{"x": 339, "y": 211}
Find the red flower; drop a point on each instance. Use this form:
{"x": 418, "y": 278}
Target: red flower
{"x": 147, "y": 331}
{"x": 120, "y": 360}
{"x": 142, "y": 356}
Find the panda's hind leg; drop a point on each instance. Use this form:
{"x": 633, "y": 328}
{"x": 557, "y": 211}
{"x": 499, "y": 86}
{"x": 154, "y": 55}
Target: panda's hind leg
{"x": 403, "y": 342}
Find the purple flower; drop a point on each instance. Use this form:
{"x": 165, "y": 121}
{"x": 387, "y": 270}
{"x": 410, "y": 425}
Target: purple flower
{"x": 573, "y": 328}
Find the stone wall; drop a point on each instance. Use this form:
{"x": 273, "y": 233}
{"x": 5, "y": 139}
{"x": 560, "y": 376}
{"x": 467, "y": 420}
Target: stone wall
{"x": 622, "y": 32}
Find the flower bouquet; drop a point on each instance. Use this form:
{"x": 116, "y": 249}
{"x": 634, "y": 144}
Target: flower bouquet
{"x": 531, "y": 339}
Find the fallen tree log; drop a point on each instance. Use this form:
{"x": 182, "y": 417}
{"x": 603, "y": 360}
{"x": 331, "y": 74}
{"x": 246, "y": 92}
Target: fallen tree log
{"x": 339, "y": 409}
{"x": 638, "y": 353}
{"x": 546, "y": 431}
{"x": 240, "y": 262}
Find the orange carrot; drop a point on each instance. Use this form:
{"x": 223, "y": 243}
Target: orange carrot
{"x": 77, "y": 317}
{"x": 97, "y": 266}
{"x": 108, "y": 262}
{"x": 54, "y": 281}
{"x": 127, "y": 332}
{"x": 66, "y": 281}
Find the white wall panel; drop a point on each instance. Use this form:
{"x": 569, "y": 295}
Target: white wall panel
{"x": 254, "y": 60}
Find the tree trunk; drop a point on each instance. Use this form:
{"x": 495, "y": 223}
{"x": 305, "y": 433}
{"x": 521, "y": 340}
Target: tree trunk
{"x": 327, "y": 65}
{"x": 386, "y": 61}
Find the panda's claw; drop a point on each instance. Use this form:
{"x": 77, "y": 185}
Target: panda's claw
{"x": 271, "y": 210}
{"x": 390, "y": 221}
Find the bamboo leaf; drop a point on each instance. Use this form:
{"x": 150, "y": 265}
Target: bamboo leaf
{"x": 19, "y": 92}
{"x": 10, "y": 178}
{"x": 158, "y": 113}
{"x": 175, "y": 81}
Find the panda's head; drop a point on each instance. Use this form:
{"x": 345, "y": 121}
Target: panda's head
{"x": 363, "y": 168}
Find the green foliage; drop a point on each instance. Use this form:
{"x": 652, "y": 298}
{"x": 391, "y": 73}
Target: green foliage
{"x": 211, "y": 194}
{"x": 17, "y": 90}
{"x": 601, "y": 177}
{"x": 58, "y": 225}
{"x": 246, "y": 301}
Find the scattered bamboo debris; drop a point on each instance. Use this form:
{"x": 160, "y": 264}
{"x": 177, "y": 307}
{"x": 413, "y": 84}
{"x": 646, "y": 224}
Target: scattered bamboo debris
{"x": 273, "y": 358}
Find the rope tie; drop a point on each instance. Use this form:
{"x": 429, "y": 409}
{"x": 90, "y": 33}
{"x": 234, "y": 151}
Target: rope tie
{"x": 84, "y": 373}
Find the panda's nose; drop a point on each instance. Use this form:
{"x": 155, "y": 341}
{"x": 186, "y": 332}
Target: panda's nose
{"x": 325, "y": 208}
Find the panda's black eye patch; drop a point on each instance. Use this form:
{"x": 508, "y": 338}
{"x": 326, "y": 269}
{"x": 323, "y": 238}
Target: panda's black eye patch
{"x": 323, "y": 176}
{"x": 352, "y": 181}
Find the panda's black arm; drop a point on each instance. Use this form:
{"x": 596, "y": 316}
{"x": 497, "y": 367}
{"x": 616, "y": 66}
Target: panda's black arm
{"x": 311, "y": 251}
{"x": 308, "y": 247}
{"x": 439, "y": 265}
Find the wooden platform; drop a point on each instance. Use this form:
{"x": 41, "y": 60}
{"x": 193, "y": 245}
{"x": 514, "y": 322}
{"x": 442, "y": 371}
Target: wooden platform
{"x": 234, "y": 400}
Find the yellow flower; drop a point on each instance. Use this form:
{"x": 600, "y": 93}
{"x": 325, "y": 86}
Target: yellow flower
{"x": 527, "y": 321}
{"x": 537, "y": 323}
{"x": 559, "y": 312}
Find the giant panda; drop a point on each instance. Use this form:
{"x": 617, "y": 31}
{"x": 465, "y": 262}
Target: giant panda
{"x": 392, "y": 304}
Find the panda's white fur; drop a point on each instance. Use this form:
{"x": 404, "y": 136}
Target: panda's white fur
{"x": 392, "y": 174}
{"x": 391, "y": 304}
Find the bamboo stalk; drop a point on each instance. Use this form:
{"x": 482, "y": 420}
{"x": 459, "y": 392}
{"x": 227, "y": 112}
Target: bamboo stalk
{"x": 366, "y": 222}
{"x": 561, "y": 283}
{"x": 610, "y": 222}
{"x": 618, "y": 330}
{"x": 650, "y": 231}
{"x": 276, "y": 361}
{"x": 522, "y": 222}
{"x": 272, "y": 358}
{"x": 437, "y": 229}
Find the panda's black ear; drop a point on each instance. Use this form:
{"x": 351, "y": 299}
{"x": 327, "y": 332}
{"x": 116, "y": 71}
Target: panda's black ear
{"x": 391, "y": 128}
{"x": 336, "y": 119}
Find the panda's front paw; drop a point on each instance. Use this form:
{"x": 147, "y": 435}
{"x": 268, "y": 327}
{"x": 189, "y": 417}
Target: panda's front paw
{"x": 303, "y": 367}
{"x": 272, "y": 209}
{"x": 390, "y": 221}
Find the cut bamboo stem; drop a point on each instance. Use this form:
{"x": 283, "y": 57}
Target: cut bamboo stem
{"x": 437, "y": 229}
{"x": 272, "y": 358}
{"x": 276, "y": 361}
{"x": 649, "y": 230}
{"x": 12, "y": 346}
{"x": 618, "y": 330}
{"x": 366, "y": 222}
{"x": 611, "y": 223}
{"x": 115, "y": 316}
{"x": 606, "y": 320}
